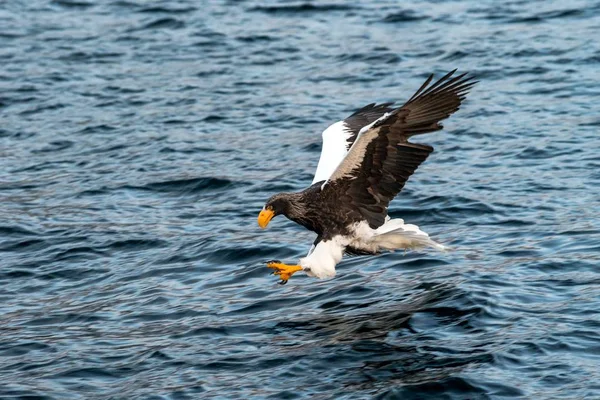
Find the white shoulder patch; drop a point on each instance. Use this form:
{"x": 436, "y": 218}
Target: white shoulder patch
{"x": 367, "y": 127}
{"x": 333, "y": 151}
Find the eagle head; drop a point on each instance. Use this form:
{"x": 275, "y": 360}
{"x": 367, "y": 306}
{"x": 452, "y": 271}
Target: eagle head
{"x": 276, "y": 205}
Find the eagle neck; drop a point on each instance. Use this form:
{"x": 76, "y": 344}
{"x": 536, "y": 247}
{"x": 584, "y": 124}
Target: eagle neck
{"x": 297, "y": 209}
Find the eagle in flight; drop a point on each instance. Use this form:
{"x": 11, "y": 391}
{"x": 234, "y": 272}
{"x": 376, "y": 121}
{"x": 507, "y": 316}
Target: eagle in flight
{"x": 365, "y": 161}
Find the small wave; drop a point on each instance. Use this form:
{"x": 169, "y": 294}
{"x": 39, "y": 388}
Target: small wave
{"x": 164, "y": 23}
{"x": 180, "y": 187}
{"x": 544, "y": 16}
{"x": 456, "y": 55}
{"x": 88, "y": 57}
{"x": 534, "y": 70}
{"x": 188, "y": 186}
{"x": 212, "y": 72}
{"x": 313, "y": 147}
{"x": 102, "y": 128}
{"x": 23, "y": 349}
{"x": 214, "y": 118}
{"x": 590, "y": 123}
{"x": 535, "y": 153}
{"x": 126, "y": 90}
{"x": 15, "y": 274}
{"x": 373, "y": 57}
{"x": 84, "y": 252}
{"x": 234, "y": 254}
{"x": 135, "y": 245}
{"x": 10, "y": 35}
{"x": 436, "y": 386}
{"x": 344, "y": 78}
{"x": 404, "y": 16}
{"x": 28, "y": 245}
{"x": 73, "y": 274}
{"x": 210, "y": 331}
{"x": 528, "y": 53}
{"x": 273, "y": 187}
{"x": 173, "y": 315}
{"x": 62, "y": 318}
{"x": 72, "y": 4}
{"x": 166, "y": 10}
{"x": 421, "y": 263}
{"x": 42, "y": 108}
{"x": 257, "y": 38}
{"x": 443, "y": 207}
{"x": 302, "y": 8}
{"x": 192, "y": 150}
{"x": 89, "y": 373}
{"x": 55, "y": 146}
{"x": 7, "y": 230}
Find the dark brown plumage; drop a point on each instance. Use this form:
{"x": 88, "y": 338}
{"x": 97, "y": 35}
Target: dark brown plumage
{"x": 379, "y": 162}
{"x": 363, "y": 117}
{"x": 377, "y": 168}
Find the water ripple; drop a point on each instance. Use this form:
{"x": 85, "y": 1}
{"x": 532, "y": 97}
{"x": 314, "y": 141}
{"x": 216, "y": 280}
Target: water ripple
{"x": 140, "y": 140}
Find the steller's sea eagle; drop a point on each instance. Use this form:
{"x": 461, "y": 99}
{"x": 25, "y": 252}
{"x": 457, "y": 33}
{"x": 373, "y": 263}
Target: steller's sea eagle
{"x": 365, "y": 161}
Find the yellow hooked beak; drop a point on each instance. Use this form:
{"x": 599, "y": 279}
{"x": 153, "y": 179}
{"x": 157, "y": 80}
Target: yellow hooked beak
{"x": 264, "y": 217}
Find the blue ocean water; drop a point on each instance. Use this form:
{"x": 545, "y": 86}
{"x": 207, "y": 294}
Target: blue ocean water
{"x": 139, "y": 140}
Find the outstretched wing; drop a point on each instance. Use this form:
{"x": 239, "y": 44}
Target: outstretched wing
{"x": 339, "y": 137}
{"x": 382, "y": 159}
{"x": 363, "y": 117}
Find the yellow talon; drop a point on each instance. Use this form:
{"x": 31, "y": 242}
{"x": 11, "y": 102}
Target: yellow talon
{"x": 283, "y": 270}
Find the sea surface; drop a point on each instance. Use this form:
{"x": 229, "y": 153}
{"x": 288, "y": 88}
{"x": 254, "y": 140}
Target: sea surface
{"x": 140, "y": 139}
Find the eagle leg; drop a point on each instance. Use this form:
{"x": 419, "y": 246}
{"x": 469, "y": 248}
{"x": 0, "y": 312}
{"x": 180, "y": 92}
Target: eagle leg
{"x": 283, "y": 270}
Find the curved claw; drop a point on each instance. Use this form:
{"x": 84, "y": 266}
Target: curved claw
{"x": 284, "y": 271}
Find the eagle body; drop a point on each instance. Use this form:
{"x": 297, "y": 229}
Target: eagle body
{"x": 318, "y": 210}
{"x": 365, "y": 162}
{"x": 341, "y": 229}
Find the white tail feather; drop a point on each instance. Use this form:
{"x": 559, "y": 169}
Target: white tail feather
{"x": 395, "y": 235}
